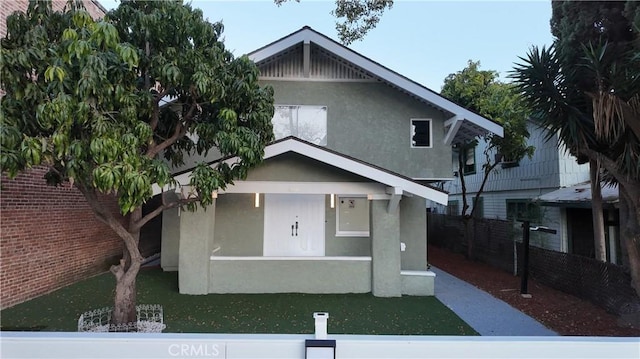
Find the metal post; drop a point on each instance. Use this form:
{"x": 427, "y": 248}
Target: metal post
{"x": 525, "y": 258}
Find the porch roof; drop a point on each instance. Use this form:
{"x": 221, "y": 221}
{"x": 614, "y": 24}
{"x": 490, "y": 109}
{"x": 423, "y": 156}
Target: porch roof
{"x": 578, "y": 196}
{"x": 378, "y": 174}
{"x": 462, "y": 124}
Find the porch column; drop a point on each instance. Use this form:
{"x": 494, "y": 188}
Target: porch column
{"x": 385, "y": 250}
{"x": 196, "y": 236}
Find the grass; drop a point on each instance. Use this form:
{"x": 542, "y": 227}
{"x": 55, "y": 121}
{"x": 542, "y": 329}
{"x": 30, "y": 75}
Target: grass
{"x": 240, "y": 313}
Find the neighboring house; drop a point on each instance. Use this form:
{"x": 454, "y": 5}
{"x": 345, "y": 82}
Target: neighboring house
{"x": 527, "y": 190}
{"x": 339, "y": 203}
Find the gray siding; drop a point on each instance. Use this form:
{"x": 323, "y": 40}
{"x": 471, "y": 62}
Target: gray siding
{"x": 413, "y": 232}
{"x": 371, "y": 122}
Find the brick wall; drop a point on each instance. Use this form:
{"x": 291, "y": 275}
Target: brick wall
{"x": 49, "y": 238}
{"x": 8, "y": 7}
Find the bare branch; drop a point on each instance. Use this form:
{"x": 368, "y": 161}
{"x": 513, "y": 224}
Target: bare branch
{"x": 142, "y": 221}
{"x": 181, "y": 130}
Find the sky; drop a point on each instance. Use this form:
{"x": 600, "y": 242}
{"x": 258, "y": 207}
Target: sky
{"x": 423, "y": 40}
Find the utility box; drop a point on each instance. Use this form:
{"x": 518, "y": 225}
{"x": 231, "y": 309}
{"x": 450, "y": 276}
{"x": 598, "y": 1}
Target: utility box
{"x": 321, "y": 324}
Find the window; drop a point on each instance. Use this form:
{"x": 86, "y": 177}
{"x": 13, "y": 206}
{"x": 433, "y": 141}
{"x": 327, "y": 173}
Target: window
{"x": 420, "y": 133}
{"x": 523, "y": 210}
{"x": 308, "y": 123}
{"x": 468, "y": 161}
{"x": 352, "y": 217}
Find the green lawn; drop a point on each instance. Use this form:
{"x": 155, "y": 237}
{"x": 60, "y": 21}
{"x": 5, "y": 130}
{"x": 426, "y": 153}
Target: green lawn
{"x": 240, "y": 313}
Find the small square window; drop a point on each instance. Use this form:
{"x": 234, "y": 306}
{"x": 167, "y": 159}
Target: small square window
{"x": 421, "y": 133}
{"x": 352, "y": 217}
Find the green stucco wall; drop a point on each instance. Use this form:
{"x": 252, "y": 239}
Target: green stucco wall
{"x": 413, "y": 232}
{"x": 196, "y": 244}
{"x": 292, "y": 167}
{"x": 170, "y": 240}
{"x": 342, "y": 246}
{"x": 385, "y": 251}
{"x": 239, "y": 225}
{"x": 267, "y": 276}
{"x": 371, "y": 122}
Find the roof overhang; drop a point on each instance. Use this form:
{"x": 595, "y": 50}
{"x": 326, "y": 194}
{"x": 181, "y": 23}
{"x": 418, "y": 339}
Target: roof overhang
{"x": 335, "y": 159}
{"x": 463, "y": 125}
{"x": 578, "y": 196}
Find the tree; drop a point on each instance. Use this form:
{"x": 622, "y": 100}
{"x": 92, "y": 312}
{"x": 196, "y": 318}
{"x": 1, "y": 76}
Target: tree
{"x": 585, "y": 88}
{"x": 480, "y": 91}
{"x": 359, "y": 17}
{"x": 85, "y": 99}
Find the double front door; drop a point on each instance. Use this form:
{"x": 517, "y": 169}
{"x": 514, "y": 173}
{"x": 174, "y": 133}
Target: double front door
{"x": 294, "y": 225}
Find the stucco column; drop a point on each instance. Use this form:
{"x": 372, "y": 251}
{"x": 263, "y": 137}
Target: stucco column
{"x": 196, "y": 236}
{"x": 413, "y": 232}
{"x": 385, "y": 251}
{"x": 170, "y": 240}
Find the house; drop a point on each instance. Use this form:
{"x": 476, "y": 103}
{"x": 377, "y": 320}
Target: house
{"x": 537, "y": 190}
{"x": 339, "y": 203}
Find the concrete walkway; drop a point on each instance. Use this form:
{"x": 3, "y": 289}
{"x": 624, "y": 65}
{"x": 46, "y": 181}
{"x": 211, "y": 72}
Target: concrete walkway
{"x": 485, "y": 313}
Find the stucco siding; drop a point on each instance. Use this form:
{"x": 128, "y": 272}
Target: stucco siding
{"x": 342, "y": 246}
{"x": 294, "y": 167}
{"x": 371, "y": 122}
{"x": 286, "y": 276}
{"x": 239, "y": 225}
{"x": 170, "y": 240}
{"x": 413, "y": 232}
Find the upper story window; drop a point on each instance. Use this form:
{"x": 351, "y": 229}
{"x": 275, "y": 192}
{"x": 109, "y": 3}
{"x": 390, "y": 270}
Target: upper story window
{"x": 421, "y": 133}
{"x": 308, "y": 123}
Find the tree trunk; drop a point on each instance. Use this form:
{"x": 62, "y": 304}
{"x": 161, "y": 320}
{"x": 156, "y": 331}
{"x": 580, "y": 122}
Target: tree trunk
{"x": 597, "y": 213}
{"x": 124, "y": 309}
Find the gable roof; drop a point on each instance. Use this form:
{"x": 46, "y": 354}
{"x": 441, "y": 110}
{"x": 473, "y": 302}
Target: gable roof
{"x": 338, "y": 160}
{"x": 463, "y": 124}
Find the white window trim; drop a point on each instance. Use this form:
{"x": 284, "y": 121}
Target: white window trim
{"x": 326, "y": 107}
{"x": 340, "y": 233}
{"x": 430, "y": 132}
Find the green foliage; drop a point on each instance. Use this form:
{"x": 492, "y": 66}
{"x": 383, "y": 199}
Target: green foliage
{"x": 357, "y": 17}
{"x": 585, "y": 87}
{"x": 88, "y": 98}
{"x": 481, "y": 92}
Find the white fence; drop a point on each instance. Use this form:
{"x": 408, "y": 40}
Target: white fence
{"x": 49, "y": 345}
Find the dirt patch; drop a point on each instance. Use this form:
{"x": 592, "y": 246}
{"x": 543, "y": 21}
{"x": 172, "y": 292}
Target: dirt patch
{"x": 561, "y": 312}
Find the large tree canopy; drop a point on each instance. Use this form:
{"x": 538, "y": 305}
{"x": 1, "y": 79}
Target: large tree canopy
{"x": 108, "y": 106}
{"x": 480, "y": 91}
{"x": 585, "y": 87}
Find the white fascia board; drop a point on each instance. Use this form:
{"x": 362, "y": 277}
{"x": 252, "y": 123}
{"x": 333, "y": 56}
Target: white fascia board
{"x": 279, "y": 46}
{"x": 343, "y": 188}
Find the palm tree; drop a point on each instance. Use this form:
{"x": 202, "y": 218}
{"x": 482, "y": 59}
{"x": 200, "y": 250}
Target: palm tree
{"x": 594, "y": 106}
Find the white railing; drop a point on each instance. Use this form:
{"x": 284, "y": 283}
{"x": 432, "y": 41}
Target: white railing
{"x": 132, "y": 345}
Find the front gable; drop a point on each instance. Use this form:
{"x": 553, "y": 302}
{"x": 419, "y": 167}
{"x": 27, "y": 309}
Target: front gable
{"x": 307, "y": 55}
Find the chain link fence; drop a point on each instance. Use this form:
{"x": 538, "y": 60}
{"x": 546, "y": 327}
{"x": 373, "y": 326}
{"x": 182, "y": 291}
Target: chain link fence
{"x": 499, "y": 244}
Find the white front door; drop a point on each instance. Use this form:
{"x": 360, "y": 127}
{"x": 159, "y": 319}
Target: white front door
{"x": 293, "y": 225}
